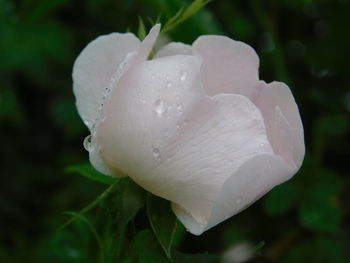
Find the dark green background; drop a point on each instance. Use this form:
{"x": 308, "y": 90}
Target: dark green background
{"x": 302, "y": 42}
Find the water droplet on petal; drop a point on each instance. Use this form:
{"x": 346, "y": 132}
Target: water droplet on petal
{"x": 183, "y": 75}
{"x": 185, "y": 121}
{"x": 87, "y": 143}
{"x": 155, "y": 152}
{"x": 169, "y": 84}
{"x": 160, "y": 106}
{"x": 179, "y": 107}
{"x": 153, "y": 76}
{"x": 177, "y": 97}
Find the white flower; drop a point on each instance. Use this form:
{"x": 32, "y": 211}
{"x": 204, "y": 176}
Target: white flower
{"x": 194, "y": 125}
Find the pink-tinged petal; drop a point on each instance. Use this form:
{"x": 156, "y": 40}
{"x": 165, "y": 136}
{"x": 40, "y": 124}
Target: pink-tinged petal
{"x": 172, "y": 139}
{"x": 130, "y": 61}
{"x": 143, "y": 112}
{"x": 174, "y": 48}
{"x": 94, "y": 69}
{"x": 283, "y": 122}
{"x": 229, "y": 66}
{"x": 253, "y": 179}
{"x": 147, "y": 44}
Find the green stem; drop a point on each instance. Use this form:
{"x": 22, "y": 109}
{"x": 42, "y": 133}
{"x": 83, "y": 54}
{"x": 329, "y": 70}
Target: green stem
{"x": 90, "y": 206}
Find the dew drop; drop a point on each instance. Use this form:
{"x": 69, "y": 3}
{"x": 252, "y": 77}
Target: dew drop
{"x": 87, "y": 143}
{"x": 155, "y": 152}
{"x": 183, "y": 75}
{"x": 239, "y": 200}
{"x": 177, "y": 97}
{"x": 179, "y": 107}
{"x": 185, "y": 122}
{"x": 160, "y": 106}
{"x": 169, "y": 84}
{"x": 153, "y": 76}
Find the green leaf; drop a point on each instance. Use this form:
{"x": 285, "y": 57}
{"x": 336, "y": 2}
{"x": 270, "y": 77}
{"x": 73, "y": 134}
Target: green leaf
{"x": 141, "y": 33}
{"x": 258, "y": 248}
{"x": 322, "y": 217}
{"x": 115, "y": 215}
{"x": 184, "y": 14}
{"x": 146, "y": 246}
{"x": 332, "y": 250}
{"x": 70, "y": 245}
{"x": 91, "y": 227}
{"x": 320, "y": 210}
{"x": 128, "y": 199}
{"x": 64, "y": 246}
{"x": 86, "y": 170}
{"x": 163, "y": 222}
{"x": 92, "y": 205}
{"x": 335, "y": 125}
{"x": 281, "y": 199}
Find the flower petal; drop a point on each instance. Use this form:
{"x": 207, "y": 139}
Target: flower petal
{"x": 175, "y": 141}
{"x": 145, "y": 110}
{"x": 283, "y": 122}
{"x": 247, "y": 184}
{"x": 229, "y": 66}
{"x": 147, "y": 44}
{"x": 94, "y": 68}
{"x": 174, "y": 48}
{"x": 129, "y": 62}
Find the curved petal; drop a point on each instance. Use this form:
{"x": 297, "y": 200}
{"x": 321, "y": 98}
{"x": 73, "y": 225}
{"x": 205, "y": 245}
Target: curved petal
{"x": 229, "y": 66}
{"x": 147, "y": 44}
{"x": 174, "y": 48}
{"x": 283, "y": 122}
{"x": 131, "y": 60}
{"x": 247, "y": 184}
{"x": 94, "y": 68}
{"x": 175, "y": 141}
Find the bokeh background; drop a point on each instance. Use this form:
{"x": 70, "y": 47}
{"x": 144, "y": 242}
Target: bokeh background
{"x": 304, "y": 43}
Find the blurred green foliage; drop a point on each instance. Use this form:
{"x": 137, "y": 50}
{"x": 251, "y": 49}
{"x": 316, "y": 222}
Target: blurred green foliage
{"x": 302, "y": 42}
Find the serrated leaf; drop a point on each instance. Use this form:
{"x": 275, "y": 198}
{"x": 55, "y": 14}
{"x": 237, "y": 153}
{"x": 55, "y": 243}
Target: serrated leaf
{"x": 86, "y": 170}
{"x": 163, "y": 222}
